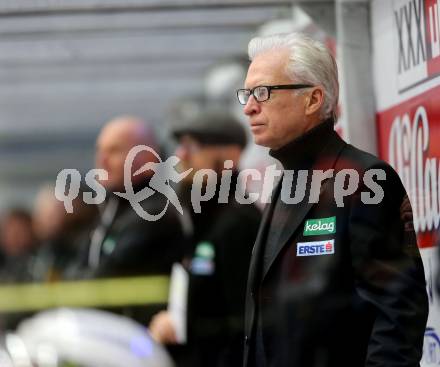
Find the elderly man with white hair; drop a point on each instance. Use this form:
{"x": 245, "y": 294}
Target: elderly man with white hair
{"x": 335, "y": 278}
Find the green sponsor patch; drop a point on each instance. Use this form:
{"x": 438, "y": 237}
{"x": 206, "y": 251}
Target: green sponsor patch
{"x": 314, "y": 227}
{"x": 109, "y": 245}
{"x": 205, "y": 250}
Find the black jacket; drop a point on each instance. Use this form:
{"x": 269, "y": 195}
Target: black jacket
{"x": 126, "y": 245}
{"x": 364, "y": 302}
{"x": 217, "y": 260}
{"x": 132, "y": 246}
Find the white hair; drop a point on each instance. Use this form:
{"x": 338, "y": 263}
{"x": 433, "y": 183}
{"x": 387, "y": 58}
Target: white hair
{"x": 310, "y": 62}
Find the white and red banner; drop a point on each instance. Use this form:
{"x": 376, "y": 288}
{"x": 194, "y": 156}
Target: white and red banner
{"x": 406, "y": 63}
{"x": 417, "y": 30}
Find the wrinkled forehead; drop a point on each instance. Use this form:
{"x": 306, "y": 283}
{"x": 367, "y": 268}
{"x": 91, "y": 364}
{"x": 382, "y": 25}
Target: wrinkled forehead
{"x": 268, "y": 68}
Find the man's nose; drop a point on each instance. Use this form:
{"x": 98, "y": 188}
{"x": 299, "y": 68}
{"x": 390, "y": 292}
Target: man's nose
{"x": 251, "y": 107}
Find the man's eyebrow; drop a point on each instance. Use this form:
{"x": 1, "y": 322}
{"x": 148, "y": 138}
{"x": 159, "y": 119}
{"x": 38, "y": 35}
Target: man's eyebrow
{"x": 258, "y": 84}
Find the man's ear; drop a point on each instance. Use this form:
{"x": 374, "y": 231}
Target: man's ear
{"x": 314, "y": 101}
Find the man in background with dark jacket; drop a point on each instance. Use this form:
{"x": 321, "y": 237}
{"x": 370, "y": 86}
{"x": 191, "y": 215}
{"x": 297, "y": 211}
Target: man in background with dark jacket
{"x": 123, "y": 243}
{"x": 217, "y": 256}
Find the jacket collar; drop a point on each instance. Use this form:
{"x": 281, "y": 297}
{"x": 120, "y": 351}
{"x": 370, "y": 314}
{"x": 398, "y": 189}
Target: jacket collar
{"x": 303, "y": 152}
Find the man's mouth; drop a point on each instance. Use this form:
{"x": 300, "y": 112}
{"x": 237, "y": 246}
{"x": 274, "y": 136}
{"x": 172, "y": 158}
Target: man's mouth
{"x": 256, "y": 126}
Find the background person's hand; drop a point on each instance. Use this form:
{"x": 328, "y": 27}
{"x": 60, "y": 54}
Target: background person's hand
{"x": 162, "y": 329}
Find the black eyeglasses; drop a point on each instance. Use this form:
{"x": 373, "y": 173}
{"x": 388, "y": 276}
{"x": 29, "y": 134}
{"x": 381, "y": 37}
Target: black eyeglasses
{"x": 261, "y": 93}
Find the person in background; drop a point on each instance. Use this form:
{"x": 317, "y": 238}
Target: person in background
{"x": 218, "y": 253}
{"x": 59, "y": 234}
{"x": 329, "y": 284}
{"x": 18, "y": 245}
{"x": 122, "y": 243}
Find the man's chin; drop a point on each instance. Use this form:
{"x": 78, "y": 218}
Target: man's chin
{"x": 260, "y": 140}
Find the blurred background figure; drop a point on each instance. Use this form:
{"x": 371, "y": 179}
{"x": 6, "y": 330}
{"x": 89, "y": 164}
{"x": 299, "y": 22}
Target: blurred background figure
{"x": 59, "y": 234}
{"x": 18, "y": 245}
{"x": 218, "y": 253}
{"x": 122, "y": 243}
